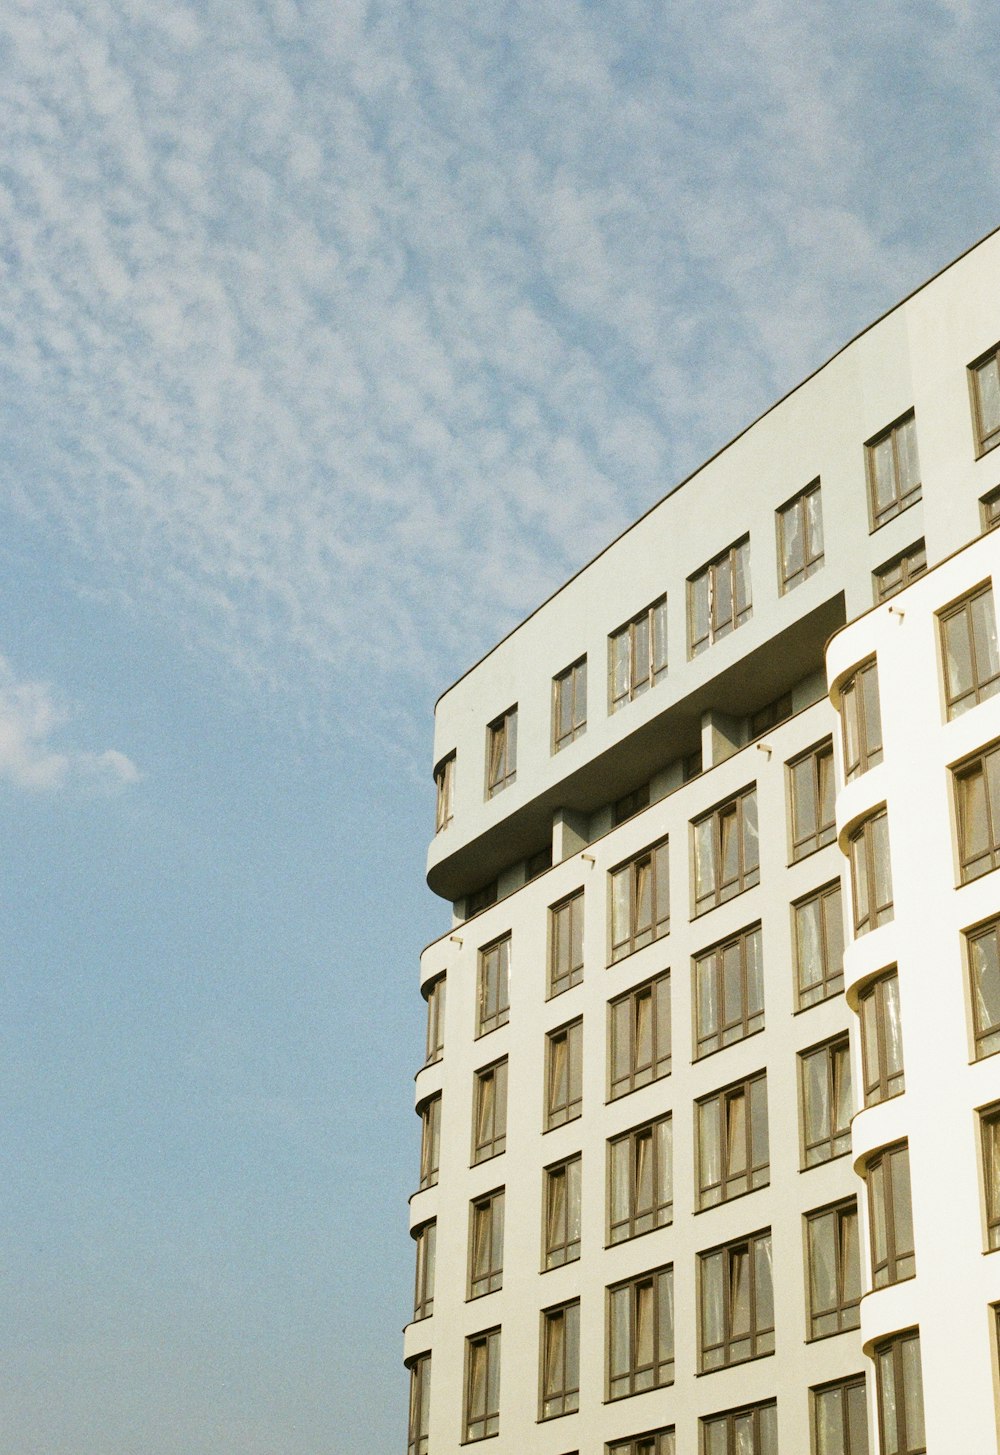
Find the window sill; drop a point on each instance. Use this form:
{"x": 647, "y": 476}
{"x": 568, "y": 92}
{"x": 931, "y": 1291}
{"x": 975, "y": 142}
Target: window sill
{"x": 697, "y": 914}
{"x": 611, "y": 1100}
{"x": 696, "y": 1060}
{"x": 801, "y": 1009}
{"x": 637, "y": 1393}
{"x": 713, "y": 1206}
{"x": 633, "y": 1237}
{"x": 834, "y": 1334}
{"x": 827, "y": 1160}
{"x": 880, "y": 524}
{"x": 735, "y": 1364}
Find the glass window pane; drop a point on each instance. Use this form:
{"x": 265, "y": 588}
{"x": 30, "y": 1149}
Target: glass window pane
{"x": 984, "y": 636}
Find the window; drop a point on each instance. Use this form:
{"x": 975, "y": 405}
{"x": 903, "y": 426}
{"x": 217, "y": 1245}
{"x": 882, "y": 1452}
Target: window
{"x": 420, "y": 1405}
{"x": 562, "y": 1212}
{"x": 893, "y": 470}
{"x": 719, "y": 597}
{"x": 819, "y": 945}
{"x": 566, "y": 943}
{"x": 771, "y": 715}
{"x": 423, "y": 1297}
{"x": 629, "y": 805}
{"x": 482, "y": 1385}
{"x": 977, "y": 795}
{"x": 564, "y": 1075}
{"x": 538, "y": 863}
{"x": 435, "y": 1020}
{"x": 560, "y": 1374}
{"x": 430, "y": 1141}
{"x": 989, "y": 1125}
{"x": 871, "y": 877}
{"x": 638, "y": 654}
{"x": 890, "y": 1216}
{"x": 494, "y": 986}
{"x": 733, "y": 1155}
{"x": 984, "y": 973}
{"x": 639, "y": 1024}
{"x": 984, "y": 383}
{"x": 900, "y": 1395}
{"x": 489, "y": 1132}
{"x": 881, "y": 1039}
{"x": 486, "y": 1219}
{"x": 891, "y": 578}
{"x": 444, "y": 779}
{"x": 800, "y": 537}
{"x": 569, "y": 705}
{"x": 653, "y": 1442}
{"x": 861, "y": 721}
{"x": 501, "y": 752}
{"x": 969, "y": 646}
{"x": 989, "y": 509}
{"x": 810, "y": 779}
{"x": 726, "y": 858}
{"x": 840, "y": 1417}
{"x": 729, "y": 992}
{"x": 749, "y": 1431}
{"x": 640, "y": 901}
{"x": 737, "y": 1302}
{"x": 640, "y": 1178}
{"x": 481, "y": 899}
{"x": 827, "y": 1101}
{"x": 834, "y": 1259}
{"x": 641, "y": 1333}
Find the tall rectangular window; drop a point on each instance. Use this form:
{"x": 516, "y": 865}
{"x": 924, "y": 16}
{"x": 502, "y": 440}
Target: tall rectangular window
{"x": 430, "y": 1140}
{"x": 501, "y": 752}
{"x": 819, "y": 944}
{"x": 890, "y": 1215}
{"x": 810, "y": 780}
{"x": 840, "y": 1417}
{"x": 733, "y": 1153}
{"x": 640, "y": 900}
{"x": 486, "y": 1222}
{"x": 562, "y": 1212}
{"x": 560, "y": 1372}
{"x": 752, "y": 1430}
{"x": 800, "y": 537}
{"x": 482, "y": 1385}
{"x": 435, "y": 1020}
{"x": 989, "y": 1126}
{"x": 834, "y": 1256}
{"x": 900, "y": 1395}
{"x": 641, "y": 1333}
{"x": 489, "y": 1133}
{"x": 977, "y": 801}
{"x": 444, "y": 780}
{"x": 653, "y": 1442}
{"x": 726, "y": 854}
{"x": 989, "y": 509}
{"x": 639, "y": 1026}
{"x": 969, "y": 649}
{"x": 827, "y": 1101}
{"x": 420, "y": 1405}
{"x": 893, "y": 470}
{"x": 640, "y": 1180}
{"x": 494, "y": 986}
{"x": 423, "y": 1296}
{"x": 895, "y": 575}
{"x": 566, "y": 943}
{"x": 564, "y": 1074}
{"x": 984, "y": 974}
{"x": 569, "y": 705}
{"x": 736, "y": 1301}
{"x": 861, "y": 721}
{"x": 638, "y": 654}
{"x": 984, "y": 385}
{"x": 871, "y": 875}
{"x": 719, "y": 598}
{"x": 881, "y": 1039}
{"x": 729, "y": 992}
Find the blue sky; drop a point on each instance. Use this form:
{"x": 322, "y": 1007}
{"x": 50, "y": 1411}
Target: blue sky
{"x": 332, "y": 338}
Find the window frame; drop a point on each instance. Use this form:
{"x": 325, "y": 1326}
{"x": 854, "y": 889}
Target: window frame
{"x": 756, "y": 1171}
{"x": 836, "y": 1141}
{"x": 912, "y": 564}
{"x": 856, "y": 702}
{"x": 862, "y": 850}
{"x": 429, "y": 1110}
{"x": 751, "y": 1019}
{"x": 812, "y": 560}
{"x": 650, "y": 1442}
{"x": 566, "y": 1395}
{"x": 820, "y": 755}
{"x": 418, "y": 1437}
{"x": 728, "y": 1418}
{"x": 987, "y": 761}
{"x": 654, "y": 628}
{"x": 899, "y": 1263}
{"x": 424, "y": 1236}
{"x": 654, "y": 862}
{"x": 893, "y": 1347}
{"x": 879, "y": 1083}
{"x": 557, "y": 1251}
{"x": 660, "y": 1210}
{"x": 983, "y": 1035}
{"x": 444, "y": 782}
{"x": 989, "y": 510}
{"x": 489, "y": 1416}
{"x": 657, "y": 989}
{"x": 759, "y": 1338}
{"x": 989, "y": 1145}
{"x": 846, "y": 1308}
{"x": 731, "y": 564}
{"x": 559, "y": 981}
{"x": 984, "y": 440}
{"x": 660, "y": 1368}
{"x": 435, "y": 998}
{"x": 489, "y": 994}
{"x": 487, "y": 1225}
{"x": 489, "y": 1116}
{"x": 982, "y": 688}
{"x": 745, "y": 833}
{"x": 558, "y": 1112}
{"x": 901, "y": 499}
{"x": 501, "y": 752}
{"x": 569, "y": 677}
{"x": 843, "y": 1387}
{"x": 831, "y": 981}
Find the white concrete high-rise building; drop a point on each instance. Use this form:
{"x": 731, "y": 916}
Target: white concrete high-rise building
{"x": 710, "y": 1158}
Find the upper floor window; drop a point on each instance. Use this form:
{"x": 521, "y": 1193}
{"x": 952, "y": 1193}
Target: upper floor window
{"x": 569, "y": 705}
{"x": 489, "y": 1134}
{"x": 752, "y": 1430}
{"x": 800, "y": 537}
{"x": 840, "y": 1417}
{"x": 482, "y": 1385}
{"x": 430, "y": 1141}
{"x": 726, "y": 852}
{"x": 984, "y": 382}
{"x": 977, "y": 793}
{"x": 420, "y": 1405}
{"x": 895, "y": 575}
{"x": 640, "y": 901}
{"x": 423, "y": 1297}
{"x": 731, "y": 1130}
{"x": 969, "y": 647}
{"x": 493, "y": 999}
{"x": 984, "y": 973}
{"x": 640, "y": 1175}
{"x": 893, "y": 470}
{"x": 560, "y": 1372}
{"x": 834, "y": 1269}
{"x": 819, "y": 944}
{"x": 653, "y": 1442}
{"x": 435, "y": 1020}
{"x": 562, "y": 1212}
{"x": 719, "y": 597}
{"x": 638, "y": 653}
{"x": 771, "y": 715}
{"x": 481, "y": 899}
{"x": 564, "y": 1075}
{"x": 501, "y": 752}
{"x": 810, "y": 779}
{"x": 444, "y": 780}
{"x": 871, "y": 877}
{"x": 989, "y": 509}
{"x": 566, "y": 943}
{"x": 989, "y": 1126}
{"x": 861, "y": 721}
{"x": 630, "y": 804}
{"x": 900, "y": 1395}
{"x": 639, "y": 1026}
{"x": 827, "y": 1101}
{"x": 641, "y": 1333}
{"x": 890, "y": 1215}
{"x": 729, "y": 992}
{"x": 737, "y": 1302}
{"x": 486, "y": 1243}
{"x": 881, "y": 1039}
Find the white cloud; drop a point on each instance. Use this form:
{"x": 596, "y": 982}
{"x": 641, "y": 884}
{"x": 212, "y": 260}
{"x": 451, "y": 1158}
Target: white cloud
{"x": 30, "y": 719}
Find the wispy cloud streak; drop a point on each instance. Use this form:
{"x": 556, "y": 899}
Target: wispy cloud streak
{"x": 30, "y": 719}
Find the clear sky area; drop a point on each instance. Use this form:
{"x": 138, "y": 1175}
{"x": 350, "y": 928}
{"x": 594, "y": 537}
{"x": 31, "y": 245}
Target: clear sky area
{"x": 333, "y": 336}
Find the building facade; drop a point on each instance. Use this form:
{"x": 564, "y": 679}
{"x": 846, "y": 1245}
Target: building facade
{"x": 710, "y": 1110}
